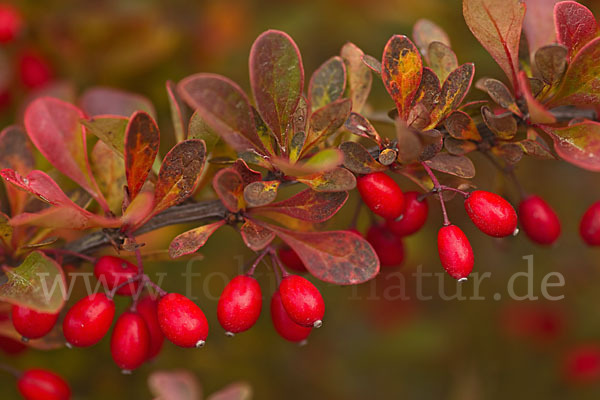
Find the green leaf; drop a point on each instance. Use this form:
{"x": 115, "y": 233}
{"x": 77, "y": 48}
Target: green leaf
{"x": 328, "y": 83}
{"x": 110, "y": 129}
{"x": 38, "y": 283}
{"x": 199, "y": 129}
{"x": 109, "y": 169}
{"x": 335, "y": 180}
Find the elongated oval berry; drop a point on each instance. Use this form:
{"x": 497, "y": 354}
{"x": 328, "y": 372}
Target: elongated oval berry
{"x": 89, "y": 319}
{"x": 589, "y": 228}
{"x": 455, "y": 252}
{"x": 11, "y": 23}
{"x": 582, "y": 364}
{"x": 414, "y": 217}
{"x": 41, "y": 384}
{"x": 240, "y": 304}
{"x": 147, "y": 307}
{"x": 290, "y": 259}
{"x": 388, "y": 246}
{"x": 302, "y": 301}
{"x": 492, "y": 214}
{"x": 539, "y": 221}
{"x": 34, "y": 70}
{"x": 285, "y": 327}
{"x": 32, "y": 324}
{"x": 381, "y": 194}
{"x": 182, "y": 321}
{"x": 130, "y": 341}
{"x": 113, "y": 271}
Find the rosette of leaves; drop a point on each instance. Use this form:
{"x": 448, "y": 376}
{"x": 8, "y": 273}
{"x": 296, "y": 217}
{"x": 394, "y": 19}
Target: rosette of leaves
{"x": 339, "y": 257}
{"x": 427, "y": 87}
{"x": 284, "y": 132}
{"x": 552, "y": 68}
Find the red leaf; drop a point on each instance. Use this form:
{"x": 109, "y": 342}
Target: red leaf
{"x": 108, "y": 101}
{"x": 177, "y": 112}
{"x": 575, "y": 25}
{"x": 179, "y": 173}
{"x": 248, "y": 174}
{"x": 539, "y": 23}
{"x": 578, "y": 144}
{"x": 54, "y": 128}
{"x": 15, "y": 153}
{"x": 229, "y": 185}
{"x": 142, "y": 139}
{"x": 338, "y": 257}
{"x": 190, "y": 241}
{"x": 401, "y": 72}
{"x": 256, "y": 236}
{"x": 277, "y": 79}
{"x": 308, "y": 205}
{"x": 496, "y": 24}
{"x": 537, "y": 112}
{"x": 224, "y": 107}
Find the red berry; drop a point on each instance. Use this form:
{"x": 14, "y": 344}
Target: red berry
{"x": 34, "y": 70}
{"x": 147, "y": 307}
{"x": 455, "y": 252}
{"x": 182, "y": 321}
{"x": 388, "y": 246}
{"x": 589, "y": 228}
{"x": 32, "y": 324}
{"x": 11, "y": 23}
{"x": 302, "y": 301}
{"x": 492, "y": 214}
{"x": 89, "y": 320}
{"x": 414, "y": 217}
{"x": 40, "y": 384}
{"x": 113, "y": 271}
{"x": 381, "y": 194}
{"x": 287, "y": 329}
{"x": 240, "y": 304}
{"x": 582, "y": 364}
{"x": 290, "y": 259}
{"x": 539, "y": 221}
{"x": 130, "y": 341}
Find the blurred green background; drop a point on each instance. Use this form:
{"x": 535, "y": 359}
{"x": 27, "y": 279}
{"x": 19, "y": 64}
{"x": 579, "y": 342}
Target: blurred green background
{"x": 373, "y": 344}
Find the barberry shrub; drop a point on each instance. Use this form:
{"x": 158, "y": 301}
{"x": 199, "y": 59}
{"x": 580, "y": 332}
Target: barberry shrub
{"x": 315, "y": 136}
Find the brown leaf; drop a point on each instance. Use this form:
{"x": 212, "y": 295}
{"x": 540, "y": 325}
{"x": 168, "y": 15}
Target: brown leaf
{"x": 359, "y": 75}
{"x": 460, "y": 166}
{"x": 461, "y": 126}
{"x": 190, "y": 241}
{"x": 308, "y": 205}
{"x": 499, "y": 93}
{"x": 256, "y": 236}
{"x": 357, "y": 159}
{"x": 142, "y": 139}
{"x": 505, "y": 127}
{"x": 335, "y": 180}
{"x": 551, "y": 62}
{"x": 260, "y": 193}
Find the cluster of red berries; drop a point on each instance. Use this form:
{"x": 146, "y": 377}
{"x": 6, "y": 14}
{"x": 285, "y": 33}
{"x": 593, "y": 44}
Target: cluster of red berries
{"x": 33, "y": 70}
{"x": 296, "y": 306}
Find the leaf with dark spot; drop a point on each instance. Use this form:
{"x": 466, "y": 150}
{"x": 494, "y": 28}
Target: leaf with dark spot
{"x": 260, "y": 193}
{"x": 460, "y": 166}
{"x": 504, "y": 126}
{"x": 189, "y": 242}
{"x": 401, "y": 72}
{"x": 179, "y": 173}
{"x": 461, "y": 126}
{"x": 256, "y": 236}
{"x": 142, "y": 139}
{"x": 335, "y": 180}
{"x": 328, "y": 83}
{"x": 357, "y": 159}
